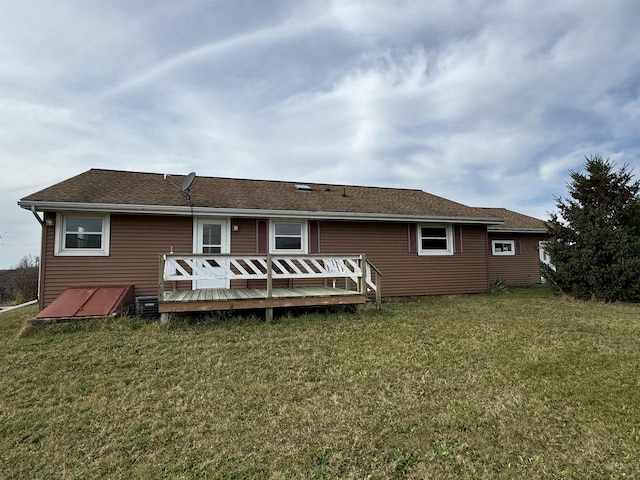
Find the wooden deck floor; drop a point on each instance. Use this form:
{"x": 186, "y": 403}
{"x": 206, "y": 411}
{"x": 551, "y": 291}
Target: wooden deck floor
{"x": 247, "y": 298}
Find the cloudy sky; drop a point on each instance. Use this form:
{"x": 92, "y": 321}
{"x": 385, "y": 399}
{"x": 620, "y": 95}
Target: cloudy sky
{"x": 488, "y": 103}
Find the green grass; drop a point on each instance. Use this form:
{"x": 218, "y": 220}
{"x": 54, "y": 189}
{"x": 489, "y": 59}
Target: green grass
{"x": 521, "y": 385}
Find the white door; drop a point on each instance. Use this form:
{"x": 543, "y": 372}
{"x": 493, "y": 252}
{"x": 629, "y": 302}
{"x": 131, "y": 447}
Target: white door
{"x": 544, "y": 258}
{"x": 211, "y": 237}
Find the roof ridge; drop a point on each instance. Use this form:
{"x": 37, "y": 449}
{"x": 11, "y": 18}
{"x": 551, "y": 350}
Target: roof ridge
{"x": 294, "y": 182}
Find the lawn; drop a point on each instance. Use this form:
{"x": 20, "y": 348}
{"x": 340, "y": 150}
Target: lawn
{"x": 521, "y": 385}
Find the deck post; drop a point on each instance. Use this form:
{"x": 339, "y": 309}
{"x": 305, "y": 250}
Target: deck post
{"x": 362, "y": 284}
{"x": 161, "y": 278}
{"x": 269, "y": 276}
{"x": 164, "y": 317}
{"x": 268, "y": 313}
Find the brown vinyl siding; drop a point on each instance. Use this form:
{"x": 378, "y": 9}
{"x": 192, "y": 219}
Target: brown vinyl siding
{"x": 136, "y": 243}
{"x": 244, "y": 240}
{"x": 520, "y": 269}
{"x": 138, "y": 240}
{"x": 387, "y": 246}
{"x": 405, "y": 273}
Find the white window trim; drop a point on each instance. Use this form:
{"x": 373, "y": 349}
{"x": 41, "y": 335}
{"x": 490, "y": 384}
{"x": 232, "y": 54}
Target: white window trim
{"x": 504, "y": 254}
{"x": 431, "y": 252}
{"x": 59, "y": 247}
{"x": 304, "y": 230}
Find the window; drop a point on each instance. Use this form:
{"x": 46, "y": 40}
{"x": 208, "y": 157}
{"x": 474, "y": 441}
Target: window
{"x": 212, "y": 240}
{"x": 435, "y": 240}
{"x": 503, "y": 247}
{"x": 288, "y": 237}
{"x": 82, "y": 235}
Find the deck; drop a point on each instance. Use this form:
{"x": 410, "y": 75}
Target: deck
{"x": 360, "y": 279}
{"x": 211, "y": 299}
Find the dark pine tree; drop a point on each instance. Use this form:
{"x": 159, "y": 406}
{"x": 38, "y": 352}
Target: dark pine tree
{"x": 595, "y": 244}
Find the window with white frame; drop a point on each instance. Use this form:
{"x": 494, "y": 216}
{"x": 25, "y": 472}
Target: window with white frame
{"x": 80, "y": 235}
{"x": 503, "y": 247}
{"x": 288, "y": 236}
{"x": 435, "y": 240}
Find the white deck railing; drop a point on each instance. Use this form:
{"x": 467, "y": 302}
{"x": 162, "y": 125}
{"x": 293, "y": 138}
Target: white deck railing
{"x": 198, "y": 267}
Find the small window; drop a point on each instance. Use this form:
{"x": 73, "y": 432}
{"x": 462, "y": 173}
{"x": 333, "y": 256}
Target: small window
{"x": 503, "y": 247}
{"x": 288, "y": 237}
{"x": 435, "y": 240}
{"x": 82, "y": 235}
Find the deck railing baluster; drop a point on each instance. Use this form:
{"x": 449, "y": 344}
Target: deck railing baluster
{"x": 269, "y": 276}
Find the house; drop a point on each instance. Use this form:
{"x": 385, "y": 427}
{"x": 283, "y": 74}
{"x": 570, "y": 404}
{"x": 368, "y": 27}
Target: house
{"x": 516, "y": 247}
{"x": 107, "y": 227}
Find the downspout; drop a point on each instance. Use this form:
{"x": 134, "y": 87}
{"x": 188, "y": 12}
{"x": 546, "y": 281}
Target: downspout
{"x": 486, "y": 258}
{"x": 42, "y": 252}
{"x": 35, "y": 214}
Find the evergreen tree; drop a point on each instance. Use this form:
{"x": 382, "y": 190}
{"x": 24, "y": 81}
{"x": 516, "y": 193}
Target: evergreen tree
{"x": 595, "y": 236}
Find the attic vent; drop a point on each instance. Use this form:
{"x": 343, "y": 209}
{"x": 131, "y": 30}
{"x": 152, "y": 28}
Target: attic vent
{"x": 303, "y": 188}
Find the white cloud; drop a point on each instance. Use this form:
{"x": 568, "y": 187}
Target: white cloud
{"x": 256, "y": 39}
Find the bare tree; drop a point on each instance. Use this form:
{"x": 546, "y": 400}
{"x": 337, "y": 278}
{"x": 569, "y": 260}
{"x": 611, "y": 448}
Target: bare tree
{"x": 24, "y": 282}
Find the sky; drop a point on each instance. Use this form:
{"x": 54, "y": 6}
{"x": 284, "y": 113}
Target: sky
{"x": 488, "y": 103}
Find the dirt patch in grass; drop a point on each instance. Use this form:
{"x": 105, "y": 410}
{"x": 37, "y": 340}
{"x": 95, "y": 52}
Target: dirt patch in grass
{"x": 522, "y": 385}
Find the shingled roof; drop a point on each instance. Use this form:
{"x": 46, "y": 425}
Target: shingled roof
{"x": 514, "y": 221}
{"x": 132, "y": 191}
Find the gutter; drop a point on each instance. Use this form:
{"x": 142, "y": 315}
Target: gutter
{"x": 239, "y": 212}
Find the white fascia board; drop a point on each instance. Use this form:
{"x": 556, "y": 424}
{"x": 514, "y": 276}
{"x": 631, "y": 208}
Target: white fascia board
{"x": 237, "y": 212}
{"x": 105, "y": 207}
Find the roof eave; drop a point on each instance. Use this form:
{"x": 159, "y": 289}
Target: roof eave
{"x": 499, "y": 229}
{"x": 239, "y": 212}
